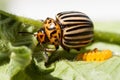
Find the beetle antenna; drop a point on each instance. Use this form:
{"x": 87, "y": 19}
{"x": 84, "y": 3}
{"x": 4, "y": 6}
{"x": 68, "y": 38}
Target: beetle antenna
{"x": 26, "y": 33}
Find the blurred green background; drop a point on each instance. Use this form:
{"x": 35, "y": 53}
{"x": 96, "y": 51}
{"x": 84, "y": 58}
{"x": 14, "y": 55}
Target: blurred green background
{"x": 104, "y": 13}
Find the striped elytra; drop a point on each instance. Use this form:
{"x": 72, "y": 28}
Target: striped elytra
{"x": 77, "y": 29}
{"x": 71, "y": 30}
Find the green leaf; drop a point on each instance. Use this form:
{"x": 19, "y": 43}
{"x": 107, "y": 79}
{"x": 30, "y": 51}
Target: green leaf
{"x": 21, "y": 59}
{"x": 80, "y": 70}
{"x": 15, "y": 49}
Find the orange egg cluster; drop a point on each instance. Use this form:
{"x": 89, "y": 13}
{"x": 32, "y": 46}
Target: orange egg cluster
{"x": 95, "y": 55}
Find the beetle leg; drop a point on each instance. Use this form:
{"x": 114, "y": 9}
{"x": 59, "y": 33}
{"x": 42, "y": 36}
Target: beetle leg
{"x": 56, "y": 47}
{"x": 50, "y": 50}
{"x": 45, "y": 55}
{"x": 45, "y": 50}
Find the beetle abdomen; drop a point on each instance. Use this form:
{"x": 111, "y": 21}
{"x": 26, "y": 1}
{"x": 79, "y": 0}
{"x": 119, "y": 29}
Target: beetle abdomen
{"x": 77, "y": 29}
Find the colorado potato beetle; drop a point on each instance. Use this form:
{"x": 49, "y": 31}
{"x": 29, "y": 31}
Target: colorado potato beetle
{"x": 71, "y": 30}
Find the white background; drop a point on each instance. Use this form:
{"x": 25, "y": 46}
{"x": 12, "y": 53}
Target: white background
{"x": 40, "y": 9}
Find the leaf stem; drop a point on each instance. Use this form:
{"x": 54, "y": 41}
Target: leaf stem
{"x": 23, "y": 19}
{"x": 107, "y": 37}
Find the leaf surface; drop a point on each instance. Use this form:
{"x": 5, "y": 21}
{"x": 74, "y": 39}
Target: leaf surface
{"x": 21, "y": 59}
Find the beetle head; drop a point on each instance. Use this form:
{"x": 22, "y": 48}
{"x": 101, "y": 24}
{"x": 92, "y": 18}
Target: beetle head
{"x": 40, "y": 35}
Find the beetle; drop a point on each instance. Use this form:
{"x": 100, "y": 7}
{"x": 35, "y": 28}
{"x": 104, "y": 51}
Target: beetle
{"x": 71, "y": 30}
